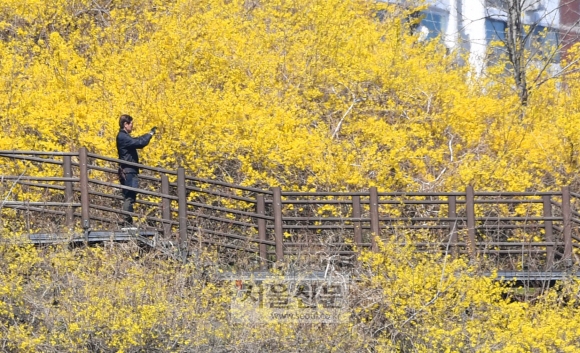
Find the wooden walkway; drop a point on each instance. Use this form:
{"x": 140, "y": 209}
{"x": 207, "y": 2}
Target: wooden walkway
{"x": 45, "y": 193}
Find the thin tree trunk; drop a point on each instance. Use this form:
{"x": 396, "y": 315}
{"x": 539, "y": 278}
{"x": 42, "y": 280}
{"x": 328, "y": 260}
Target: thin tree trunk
{"x": 515, "y": 48}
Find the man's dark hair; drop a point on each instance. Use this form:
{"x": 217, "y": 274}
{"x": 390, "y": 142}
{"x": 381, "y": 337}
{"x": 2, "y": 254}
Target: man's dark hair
{"x": 125, "y": 119}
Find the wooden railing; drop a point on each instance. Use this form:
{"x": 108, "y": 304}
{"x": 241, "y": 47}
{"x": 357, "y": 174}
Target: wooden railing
{"x": 55, "y": 191}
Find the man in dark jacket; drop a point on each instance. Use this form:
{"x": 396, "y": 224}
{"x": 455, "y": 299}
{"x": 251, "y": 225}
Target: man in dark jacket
{"x": 127, "y": 148}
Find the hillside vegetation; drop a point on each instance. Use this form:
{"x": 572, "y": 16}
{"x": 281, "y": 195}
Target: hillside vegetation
{"x": 308, "y": 95}
{"x": 117, "y": 299}
{"x": 305, "y": 94}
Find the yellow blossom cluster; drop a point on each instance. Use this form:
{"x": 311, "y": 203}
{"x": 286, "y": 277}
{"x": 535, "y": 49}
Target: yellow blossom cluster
{"x": 118, "y": 298}
{"x": 304, "y": 94}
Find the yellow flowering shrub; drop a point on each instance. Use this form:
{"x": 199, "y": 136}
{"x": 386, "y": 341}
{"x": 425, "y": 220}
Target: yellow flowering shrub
{"x": 310, "y": 95}
{"x": 119, "y": 298}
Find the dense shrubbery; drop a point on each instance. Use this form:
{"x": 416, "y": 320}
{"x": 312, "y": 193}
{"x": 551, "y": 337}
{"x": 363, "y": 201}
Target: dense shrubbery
{"x": 305, "y": 94}
{"x": 118, "y": 298}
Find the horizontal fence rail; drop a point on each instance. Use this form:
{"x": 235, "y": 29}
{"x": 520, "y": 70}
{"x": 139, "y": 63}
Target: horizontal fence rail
{"x": 80, "y": 191}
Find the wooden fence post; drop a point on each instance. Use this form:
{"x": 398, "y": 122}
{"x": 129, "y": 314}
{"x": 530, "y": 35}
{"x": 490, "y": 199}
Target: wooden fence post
{"x": 68, "y": 191}
{"x": 182, "y": 210}
{"x": 470, "y": 210}
{"x": 356, "y": 213}
{"x": 165, "y": 206}
{"x": 452, "y": 215}
{"x": 567, "y": 218}
{"x": 84, "y": 181}
{"x": 278, "y": 227}
{"x": 374, "y": 210}
{"x": 261, "y": 210}
{"x": 548, "y": 229}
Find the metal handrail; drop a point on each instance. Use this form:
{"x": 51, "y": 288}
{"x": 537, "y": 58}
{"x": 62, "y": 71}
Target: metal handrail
{"x": 233, "y": 186}
{"x": 364, "y": 209}
{"x": 33, "y": 159}
{"x": 132, "y": 164}
{"x": 38, "y": 153}
{"x": 229, "y": 210}
{"x": 172, "y": 172}
{"x": 141, "y": 191}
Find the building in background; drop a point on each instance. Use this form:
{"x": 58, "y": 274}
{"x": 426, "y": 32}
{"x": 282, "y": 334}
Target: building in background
{"x": 476, "y": 26}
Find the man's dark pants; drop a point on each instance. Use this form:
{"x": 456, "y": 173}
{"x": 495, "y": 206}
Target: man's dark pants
{"x": 129, "y": 196}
